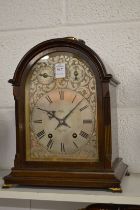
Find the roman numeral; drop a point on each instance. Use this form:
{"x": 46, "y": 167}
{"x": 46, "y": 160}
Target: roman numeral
{"x": 74, "y": 98}
{"x": 62, "y": 147}
{"x": 61, "y": 93}
{"x": 83, "y": 134}
{"x": 50, "y": 144}
{"x": 37, "y": 121}
{"x": 87, "y": 121}
{"x": 49, "y": 99}
{"x": 84, "y": 107}
{"x": 40, "y": 134}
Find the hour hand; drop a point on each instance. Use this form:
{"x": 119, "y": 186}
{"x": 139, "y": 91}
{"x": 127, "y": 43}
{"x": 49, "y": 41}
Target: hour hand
{"x": 45, "y": 75}
{"x": 51, "y": 114}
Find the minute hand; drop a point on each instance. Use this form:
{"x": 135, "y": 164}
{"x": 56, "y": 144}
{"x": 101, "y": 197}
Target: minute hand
{"x": 72, "y": 110}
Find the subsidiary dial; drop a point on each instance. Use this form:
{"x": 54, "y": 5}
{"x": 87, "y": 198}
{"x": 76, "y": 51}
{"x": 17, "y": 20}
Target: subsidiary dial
{"x": 46, "y": 75}
{"x": 76, "y": 73}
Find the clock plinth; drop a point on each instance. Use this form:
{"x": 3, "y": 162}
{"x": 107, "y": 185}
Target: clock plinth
{"x": 96, "y": 179}
{"x": 66, "y": 119}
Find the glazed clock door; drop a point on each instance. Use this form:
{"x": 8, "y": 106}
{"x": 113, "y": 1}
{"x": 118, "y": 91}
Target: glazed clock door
{"x": 61, "y": 110}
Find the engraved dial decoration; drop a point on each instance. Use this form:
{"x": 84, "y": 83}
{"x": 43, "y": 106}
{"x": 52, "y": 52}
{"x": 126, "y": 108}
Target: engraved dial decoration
{"x": 61, "y": 112}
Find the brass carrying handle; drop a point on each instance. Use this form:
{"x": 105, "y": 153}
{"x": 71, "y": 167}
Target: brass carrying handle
{"x": 73, "y": 38}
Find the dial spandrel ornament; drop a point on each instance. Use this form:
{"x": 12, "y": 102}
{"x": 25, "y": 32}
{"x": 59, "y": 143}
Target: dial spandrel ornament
{"x": 66, "y": 121}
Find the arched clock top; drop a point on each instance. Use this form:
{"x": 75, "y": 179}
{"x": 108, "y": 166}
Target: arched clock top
{"x": 43, "y": 48}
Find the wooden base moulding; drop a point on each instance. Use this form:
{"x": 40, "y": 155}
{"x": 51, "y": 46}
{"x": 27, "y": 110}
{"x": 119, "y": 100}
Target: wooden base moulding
{"x": 101, "y": 180}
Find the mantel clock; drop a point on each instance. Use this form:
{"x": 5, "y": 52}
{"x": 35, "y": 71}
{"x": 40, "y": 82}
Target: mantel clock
{"x": 66, "y": 124}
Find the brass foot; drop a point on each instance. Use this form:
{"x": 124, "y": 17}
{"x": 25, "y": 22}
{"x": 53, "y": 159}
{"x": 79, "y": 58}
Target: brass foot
{"x": 4, "y": 186}
{"x": 115, "y": 189}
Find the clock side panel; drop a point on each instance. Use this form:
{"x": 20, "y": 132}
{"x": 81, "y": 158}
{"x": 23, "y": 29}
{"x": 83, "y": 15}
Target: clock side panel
{"x": 114, "y": 122}
{"x": 120, "y": 168}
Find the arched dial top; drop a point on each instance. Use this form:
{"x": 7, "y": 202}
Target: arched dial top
{"x": 61, "y": 109}
{"x": 61, "y": 42}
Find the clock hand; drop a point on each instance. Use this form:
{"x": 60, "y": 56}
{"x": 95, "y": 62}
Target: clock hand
{"x": 62, "y": 121}
{"x": 51, "y": 114}
{"x": 72, "y": 110}
{"x": 45, "y": 75}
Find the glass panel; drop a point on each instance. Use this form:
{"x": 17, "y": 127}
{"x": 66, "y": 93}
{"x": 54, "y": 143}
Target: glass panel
{"x": 61, "y": 110}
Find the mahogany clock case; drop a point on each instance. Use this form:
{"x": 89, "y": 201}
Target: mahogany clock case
{"x": 108, "y": 170}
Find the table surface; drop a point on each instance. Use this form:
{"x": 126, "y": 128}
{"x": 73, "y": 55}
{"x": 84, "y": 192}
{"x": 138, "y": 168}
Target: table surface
{"x": 130, "y": 194}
